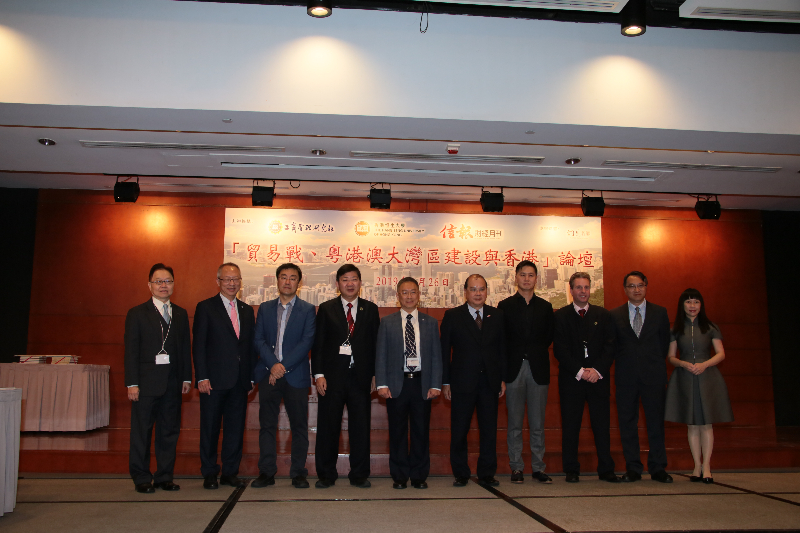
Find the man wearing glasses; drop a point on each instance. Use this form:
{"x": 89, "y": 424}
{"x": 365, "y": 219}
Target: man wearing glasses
{"x": 158, "y": 369}
{"x": 642, "y": 343}
{"x": 223, "y": 364}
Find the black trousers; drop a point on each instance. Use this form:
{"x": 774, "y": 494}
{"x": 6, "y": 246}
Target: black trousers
{"x": 163, "y": 412}
{"x": 295, "y": 401}
{"x": 573, "y": 398}
{"x": 226, "y": 409}
{"x": 628, "y": 395}
{"x": 463, "y": 404}
{"x": 329, "y": 426}
{"x": 409, "y": 409}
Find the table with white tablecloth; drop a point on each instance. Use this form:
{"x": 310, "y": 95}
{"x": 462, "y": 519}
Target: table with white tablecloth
{"x": 10, "y": 407}
{"x": 60, "y": 397}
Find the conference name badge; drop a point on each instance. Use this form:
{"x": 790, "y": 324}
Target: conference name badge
{"x": 162, "y": 358}
{"x": 346, "y": 350}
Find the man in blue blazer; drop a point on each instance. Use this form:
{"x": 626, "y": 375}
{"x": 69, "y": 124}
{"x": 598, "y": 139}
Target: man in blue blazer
{"x": 408, "y": 373}
{"x": 284, "y": 335}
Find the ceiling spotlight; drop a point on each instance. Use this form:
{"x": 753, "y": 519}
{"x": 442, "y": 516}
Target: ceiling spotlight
{"x": 573, "y": 161}
{"x": 379, "y": 198}
{"x": 263, "y": 196}
{"x": 318, "y": 151}
{"x": 319, "y": 8}
{"x": 492, "y": 202}
{"x": 633, "y": 18}
{"x": 126, "y": 191}
{"x": 593, "y": 206}
{"x": 47, "y": 142}
{"x": 707, "y": 209}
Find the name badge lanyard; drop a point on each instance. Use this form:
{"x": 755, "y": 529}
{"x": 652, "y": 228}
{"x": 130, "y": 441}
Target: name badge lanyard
{"x": 164, "y": 337}
{"x": 346, "y": 348}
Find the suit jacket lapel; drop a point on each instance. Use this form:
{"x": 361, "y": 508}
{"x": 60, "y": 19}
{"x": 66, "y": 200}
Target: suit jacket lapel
{"x": 224, "y": 316}
{"x": 154, "y": 316}
{"x": 472, "y": 326}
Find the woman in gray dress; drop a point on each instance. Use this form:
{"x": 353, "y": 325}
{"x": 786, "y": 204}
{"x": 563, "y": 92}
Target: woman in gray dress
{"x": 696, "y": 394}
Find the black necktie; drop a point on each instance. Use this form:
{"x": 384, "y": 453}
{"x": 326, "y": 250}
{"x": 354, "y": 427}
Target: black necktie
{"x": 411, "y": 343}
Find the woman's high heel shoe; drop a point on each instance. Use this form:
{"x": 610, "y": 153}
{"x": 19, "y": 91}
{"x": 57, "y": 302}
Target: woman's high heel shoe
{"x": 696, "y": 479}
{"x": 708, "y": 480}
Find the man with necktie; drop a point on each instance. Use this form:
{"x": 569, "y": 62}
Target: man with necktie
{"x": 343, "y": 363}
{"x": 584, "y": 348}
{"x": 284, "y": 336}
{"x": 223, "y": 364}
{"x": 158, "y": 369}
{"x": 408, "y": 374}
{"x": 643, "y": 338}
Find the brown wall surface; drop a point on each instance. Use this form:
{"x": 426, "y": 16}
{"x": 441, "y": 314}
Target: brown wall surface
{"x": 92, "y": 257}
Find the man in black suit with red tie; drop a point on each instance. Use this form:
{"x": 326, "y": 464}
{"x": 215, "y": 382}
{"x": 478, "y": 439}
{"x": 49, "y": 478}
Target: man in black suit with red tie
{"x": 343, "y": 364}
{"x": 223, "y": 364}
{"x": 584, "y": 348}
{"x": 158, "y": 368}
{"x": 473, "y": 373}
{"x": 643, "y": 338}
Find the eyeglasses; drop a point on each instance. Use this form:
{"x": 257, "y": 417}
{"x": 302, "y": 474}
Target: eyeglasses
{"x": 230, "y": 280}
{"x": 634, "y": 287}
{"x": 162, "y": 282}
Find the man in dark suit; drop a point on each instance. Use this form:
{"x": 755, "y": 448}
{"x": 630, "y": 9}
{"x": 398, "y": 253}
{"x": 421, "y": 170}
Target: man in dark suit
{"x": 223, "y": 364}
{"x": 408, "y": 373}
{"x": 529, "y": 333}
{"x": 158, "y": 368}
{"x": 584, "y": 348}
{"x": 473, "y": 372}
{"x": 343, "y": 362}
{"x": 284, "y": 336}
{"x": 642, "y": 344}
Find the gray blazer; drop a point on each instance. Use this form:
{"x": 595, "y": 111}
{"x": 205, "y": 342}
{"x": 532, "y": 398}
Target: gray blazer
{"x": 389, "y": 360}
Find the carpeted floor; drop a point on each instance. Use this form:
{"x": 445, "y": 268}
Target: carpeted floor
{"x": 736, "y": 502}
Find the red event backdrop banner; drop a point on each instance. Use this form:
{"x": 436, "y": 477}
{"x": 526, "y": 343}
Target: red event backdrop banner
{"x": 438, "y": 249}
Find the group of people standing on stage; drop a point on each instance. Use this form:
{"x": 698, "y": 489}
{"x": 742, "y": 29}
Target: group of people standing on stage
{"x": 477, "y": 355}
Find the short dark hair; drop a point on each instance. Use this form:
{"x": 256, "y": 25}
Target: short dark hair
{"x": 526, "y": 263}
{"x": 346, "y": 269}
{"x": 160, "y": 266}
{"x": 634, "y": 273}
{"x": 466, "y": 282}
{"x": 223, "y": 265}
{"x": 407, "y": 279}
{"x": 289, "y": 266}
{"x": 579, "y": 275}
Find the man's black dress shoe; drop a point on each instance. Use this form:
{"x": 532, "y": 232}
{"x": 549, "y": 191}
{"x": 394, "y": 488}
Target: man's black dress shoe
{"x": 145, "y": 488}
{"x": 324, "y": 483}
{"x": 630, "y": 476}
{"x": 489, "y": 481}
{"x": 661, "y": 476}
{"x": 210, "y": 482}
{"x": 397, "y": 485}
{"x": 233, "y": 481}
{"x": 300, "y": 482}
{"x": 361, "y": 483}
{"x": 708, "y": 480}
{"x": 611, "y": 477}
{"x": 167, "y": 485}
{"x": 419, "y": 484}
{"x": 541, "y": 477}
{"x": 572, "y": 477}
{"x": 461, "y": 482}
{"x": 263, "y": 480}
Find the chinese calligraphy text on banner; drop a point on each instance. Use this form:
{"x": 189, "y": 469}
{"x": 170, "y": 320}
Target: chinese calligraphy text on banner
{"x": 438, "y": 249}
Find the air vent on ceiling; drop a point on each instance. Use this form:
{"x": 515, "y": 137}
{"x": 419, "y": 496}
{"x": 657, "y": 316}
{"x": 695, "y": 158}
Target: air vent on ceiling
{"x": 180, "y": 146}
{"x": 609, "y": 6}
{"x": 768, "y": 15}
{"x": 448, "y": 157}
{"x": 687, "y": 166}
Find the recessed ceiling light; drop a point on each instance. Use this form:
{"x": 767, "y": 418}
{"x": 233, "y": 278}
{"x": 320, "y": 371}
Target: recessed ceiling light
{"x": 227, "y": 120}
{"x": 47, "y": 142}
{"x": 573, "y": 161}
{"x": 530, "y": 132}
{"x": 318, "y": 151}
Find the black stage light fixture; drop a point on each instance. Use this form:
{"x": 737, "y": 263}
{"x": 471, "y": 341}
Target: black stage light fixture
{"x": 633, "y": 18}
{"x": 263, "y": 196}
{"x": 492, "y": 202}
{"x": 708, "y": 209}
{"x": 380, "y": 198}
{"x": 593, "y": 206}
{"x": 126, "y": 191}
{"x": 319, "y": 8}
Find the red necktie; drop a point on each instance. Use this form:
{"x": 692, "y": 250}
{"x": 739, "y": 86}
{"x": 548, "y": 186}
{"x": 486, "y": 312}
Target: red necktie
{"x": 350, "y": 322}
{"x": 582, "y": 312}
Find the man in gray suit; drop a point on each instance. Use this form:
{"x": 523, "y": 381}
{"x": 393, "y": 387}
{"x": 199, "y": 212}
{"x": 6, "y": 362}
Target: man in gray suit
{"x": 408, "y": 374}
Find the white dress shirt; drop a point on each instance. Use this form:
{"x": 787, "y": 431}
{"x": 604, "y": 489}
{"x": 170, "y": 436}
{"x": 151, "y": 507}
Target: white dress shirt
{"x": 632, "y": 310}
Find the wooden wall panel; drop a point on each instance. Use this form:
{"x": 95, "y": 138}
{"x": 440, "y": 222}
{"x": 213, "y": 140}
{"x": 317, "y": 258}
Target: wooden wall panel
{"x": 92, "y": 257}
